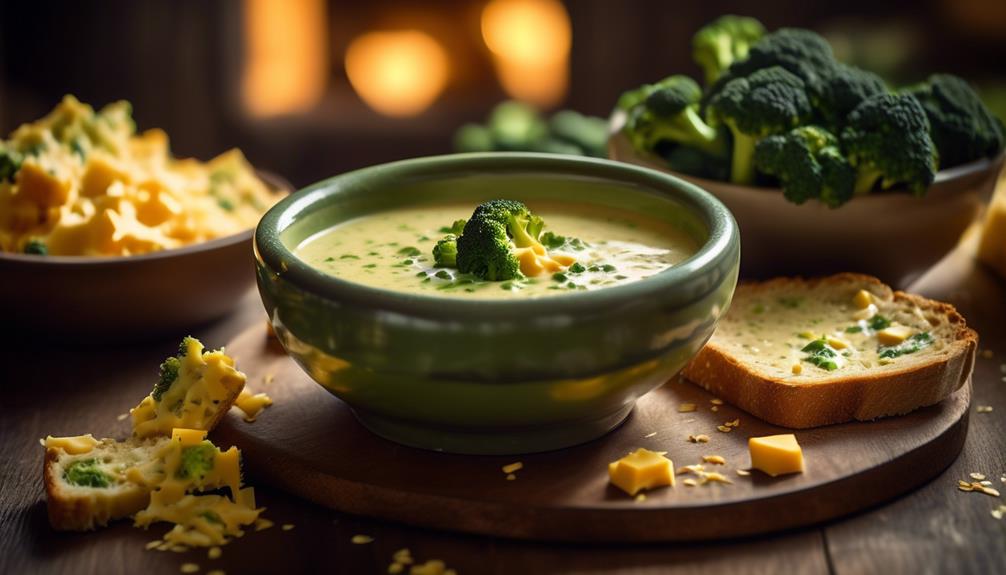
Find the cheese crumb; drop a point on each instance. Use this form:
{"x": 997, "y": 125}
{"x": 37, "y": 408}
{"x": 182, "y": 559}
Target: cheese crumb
{"x": 214, "y": 553}
{"x": 649, "y": 435}
{"x": 716, "y": 401}
{"x": 714, "y": 459}
{"x": 724, "y": 428}
{"x": 687, "y": 408}
{"x": 189, "y": 568}
{"x": 984, "y": 409}
{"x": 252, "y": 404}
{"x": 714, "y": 408}
{"x": 262, "y": 524}
{"x": 977, "y": 476}
{"x": 512, "y": 467}
{"x": 701, "y": 438}
{"x": 396, "y": 568}
{"x": 690, "y": 482}
{"x": 287, "y": 527}
{"x": 122, "y": 417}
{"x": 403, "y": 555}
{"x": 511, "y": 476}
{"x": 987, "y": 354}
{"x": 743, "y": 472}
{"x": 999, "y": 512}
{"x": 155, "y": 543}
{"x": 432, "y": 567}
{"x": 641, "y": 497}
{"x": 362, "y": 539}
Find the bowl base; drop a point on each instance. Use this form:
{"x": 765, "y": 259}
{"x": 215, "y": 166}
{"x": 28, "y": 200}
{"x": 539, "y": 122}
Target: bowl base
{"x": 509, "y": 441}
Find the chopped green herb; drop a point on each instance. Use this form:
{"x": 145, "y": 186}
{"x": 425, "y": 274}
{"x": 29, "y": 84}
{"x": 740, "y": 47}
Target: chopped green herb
{"x": 577, "y": 268}
{"x": 879, "y": 322}
{"x": 821, "y": 354}
{"x": 854, "y": 329}
{"x": 443, "y": 274}
{"x": 329, "y": 259}
{"x": 36, "y": 248}
{"x": 609, "y": 268}
{"x": 409, "y": 251}
{"x": 560, "y": 277}
{"x": 370, "y": 265}
{"x": 349, "y": 257}
{"x": 911, "y": 345}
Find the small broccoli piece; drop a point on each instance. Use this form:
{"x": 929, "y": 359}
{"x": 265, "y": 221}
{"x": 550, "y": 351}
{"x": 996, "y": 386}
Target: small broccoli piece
{"x": 670, "y": 114}
{"x": 473, "y": 138}
{"x": 497, "y": 228}
{"x": 10, "y": 163}
{"x": 445, "y": 253}
{"x": 85, "y": 473}
{"x": 169, "y": 370}
{"x": 769, "y": 101}
{"x": 963, "y": 129}
{"x": 588, "y": 133}
{"x": 844, "y": 88}
{"x": 809, "y": 163}
{"x": 554, "y": 241}
{"x": 36, "y": 247}
{"x": 516, "y": 126}
{"x": 723, "y": 41}
{"x": 886, "y": 139}
{"x": 197, "y": 461}
{"x": 457, "y": 228}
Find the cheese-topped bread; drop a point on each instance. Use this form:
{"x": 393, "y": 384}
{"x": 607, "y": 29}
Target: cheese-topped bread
{"x": 194, "y": 391}
{"x": 804, "y": 353}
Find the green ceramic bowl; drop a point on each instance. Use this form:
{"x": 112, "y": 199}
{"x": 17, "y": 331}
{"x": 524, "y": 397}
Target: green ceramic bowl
{"x": 494, "y": 377}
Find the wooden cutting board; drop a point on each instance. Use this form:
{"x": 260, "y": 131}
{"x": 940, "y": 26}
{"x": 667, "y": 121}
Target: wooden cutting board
{"x": 308, "y": 443}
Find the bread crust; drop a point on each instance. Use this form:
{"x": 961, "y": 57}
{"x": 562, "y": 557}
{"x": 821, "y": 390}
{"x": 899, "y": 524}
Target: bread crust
{"x": 837, "y": 399}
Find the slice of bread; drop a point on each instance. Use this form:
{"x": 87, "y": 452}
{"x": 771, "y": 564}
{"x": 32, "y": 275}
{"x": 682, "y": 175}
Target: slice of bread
{"x": 107, "y": 492}
{"x": 803, "y": 353}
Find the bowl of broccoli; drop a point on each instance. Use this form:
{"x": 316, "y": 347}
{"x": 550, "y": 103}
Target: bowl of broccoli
{"x": 474, "y": 374}
{"x": 826, "y": 167}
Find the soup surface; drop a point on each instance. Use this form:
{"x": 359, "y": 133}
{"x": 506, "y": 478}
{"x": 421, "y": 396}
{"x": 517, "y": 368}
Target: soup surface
{"x": 394, "y": 250}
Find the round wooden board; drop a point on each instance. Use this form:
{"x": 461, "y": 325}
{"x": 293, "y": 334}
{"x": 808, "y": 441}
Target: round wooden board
{"x": 308, "y": 443}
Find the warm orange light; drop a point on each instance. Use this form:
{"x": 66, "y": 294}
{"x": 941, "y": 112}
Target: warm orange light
{"x": 530, "y": 42}
{"x": 398, "y": 73}
{"x": 286, "y": 61}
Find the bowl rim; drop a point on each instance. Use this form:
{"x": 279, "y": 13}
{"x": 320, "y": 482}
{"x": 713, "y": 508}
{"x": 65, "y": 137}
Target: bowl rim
{"x": 277, "y": 183}
{"x": 723, "y": 234}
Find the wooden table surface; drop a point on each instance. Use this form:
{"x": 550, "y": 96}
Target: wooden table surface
{"x": 49, "y": 388}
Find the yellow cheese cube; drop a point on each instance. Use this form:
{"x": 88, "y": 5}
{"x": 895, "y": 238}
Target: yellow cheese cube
{"x": 40, "y": 187}
{"x": 72, "y": 445}
{"x": 641, "y": 469}
{"x": 99, "y": 175}
{"x": 776, "y": 454}
{"x": 992, "y": 248}
{"x": 862, "y": 299}
{"x": 187, "y": 437}
{"x": 893, "y": 335}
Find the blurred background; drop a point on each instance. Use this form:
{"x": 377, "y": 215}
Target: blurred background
{"x": 311, "y": 88}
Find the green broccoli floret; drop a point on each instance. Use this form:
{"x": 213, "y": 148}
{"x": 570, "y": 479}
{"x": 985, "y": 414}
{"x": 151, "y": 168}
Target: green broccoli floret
{"x": 197, "y": 461}
{"x": 473, "y": 138}
{"x": 886, "y": 138}
{"x": 457, "y": 228}
{"x": 670, "y": 114}
{"x": 10, "y": 163}
{"x": 36, "y": 247}
{"x": 516, "y": 126}
{"x": 587, "y": 133}
{"x": 809, "y": 163}
{"x": 769, "y": 101}
{"x": 554, "y": 241}
{"x": 85, "y": 473}
{"x": 445, "y": 253}
{"x": 844, "y": 88}
{"x": 496, "y": 229}
{"x": 169, "y": 370}
{"x": 963, "y": 129}
{"x": 723, "y": 41}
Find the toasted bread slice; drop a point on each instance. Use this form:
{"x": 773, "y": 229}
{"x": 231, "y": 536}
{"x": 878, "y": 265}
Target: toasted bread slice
{"x": 804, "y": 353}
{"x": 86, "y": 489}
{"x": 195, "y": 390}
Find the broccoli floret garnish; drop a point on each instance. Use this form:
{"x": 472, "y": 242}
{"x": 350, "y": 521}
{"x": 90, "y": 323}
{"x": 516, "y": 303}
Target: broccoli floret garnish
{"x": 963, "y": 129}
{"x": 497, "y": 229}
{"x": 36, "y": 247}
{"x": 886, "y": 139}
{"x": 169, "y": 370}
{"x": 445, "y": 253}
{"x": 809, "y": 163}
{"x": 670, "y": 114}
{"x": 586, "y": 134}
{"x": 456, "y": 228}
{"x": 85, "y": 473}
{"x": 723, "y": 41}
{"x": 10, "y": 163}
{"x": 769, "y": 101}
{"x": 843, "y": 88}
{"x": 197, "y": 461}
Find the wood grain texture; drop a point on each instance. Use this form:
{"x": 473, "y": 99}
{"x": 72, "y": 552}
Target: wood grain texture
{"x": 309, "y": 444}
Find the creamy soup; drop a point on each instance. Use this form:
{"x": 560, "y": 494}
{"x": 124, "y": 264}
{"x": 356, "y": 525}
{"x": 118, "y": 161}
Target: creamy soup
{"x": 394, "y": 250}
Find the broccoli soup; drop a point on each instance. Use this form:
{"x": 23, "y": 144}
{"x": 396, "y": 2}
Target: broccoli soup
{"x": 561, "y": 248}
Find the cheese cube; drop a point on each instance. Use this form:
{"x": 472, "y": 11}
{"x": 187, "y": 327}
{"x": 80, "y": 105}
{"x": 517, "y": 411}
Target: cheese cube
{"x": 862, "y": 299}
{"x": 187, "y": 437}
{"x": 893, "y": 335}
{"x": 776, "y": 454}
{"x": 641, "y": 469}
{"x": 72, "y": 445}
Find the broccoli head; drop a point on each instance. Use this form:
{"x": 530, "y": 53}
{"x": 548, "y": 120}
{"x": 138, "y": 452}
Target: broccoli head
{"x": 197, "y": 461}
{"x": 723, "y": 41}
{"x": 86, "y": 473}
{"x": 670, "y": 114}
{"x": 963, "y": 129}
{"x": 445, "y": 253}
{"x": 886, "y": 139}
{"x": 844, "y": 88}
{"x": 489, "y": 246}
{"x": 769, "y": 101}
{"x": 809, "y": 164}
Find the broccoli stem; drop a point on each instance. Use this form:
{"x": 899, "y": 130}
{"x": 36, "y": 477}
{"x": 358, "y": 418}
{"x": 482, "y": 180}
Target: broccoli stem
{"x": 707, "y": 138}
{"x": 865, "y": 180}
{"x": 742, "y": 169}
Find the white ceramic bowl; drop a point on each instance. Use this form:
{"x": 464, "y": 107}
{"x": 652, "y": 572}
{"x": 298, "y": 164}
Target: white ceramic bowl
{"x": 892, "y": 235}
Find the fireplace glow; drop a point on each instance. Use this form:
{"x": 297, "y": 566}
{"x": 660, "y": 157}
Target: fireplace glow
{"x": 397, "y": 73}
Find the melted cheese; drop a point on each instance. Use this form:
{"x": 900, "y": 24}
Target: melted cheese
{"x": 776, "y": 454}
{"x": 641, "y": 469}
{"x": 252, "y": 404}
{"x": 201, "y": 520}
{"x": 205, "y": 381}
{"x": 72, "y": 445}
